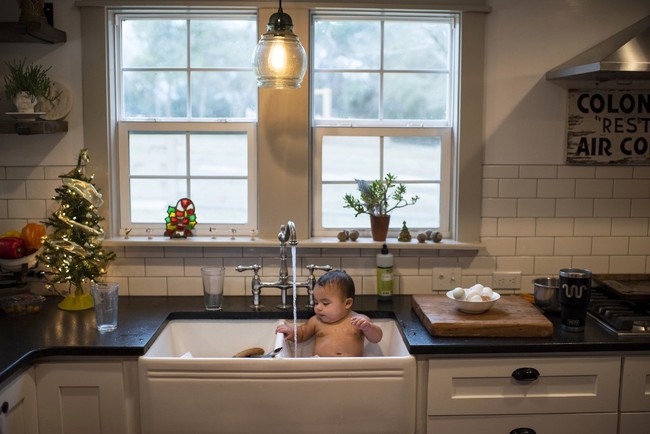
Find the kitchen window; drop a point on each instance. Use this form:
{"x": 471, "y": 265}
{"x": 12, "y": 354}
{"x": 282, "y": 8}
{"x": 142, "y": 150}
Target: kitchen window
{"x": 187, "y": 115}
{"x": 382, "y": 103}
{"x": 287, "y": 154}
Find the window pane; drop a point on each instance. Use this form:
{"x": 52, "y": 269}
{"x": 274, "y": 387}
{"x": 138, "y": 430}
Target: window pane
{"x": 154, "y": 43}
{"x": 157, "y": 154}
{"x": 154, "y": 94}
{"x": 220, "y": 201}
{"x": 413, "y": 158}
{"x": 413, "y": 45}
{"x": 425, "y": 213}
{"x": 417, "y": 96}
{"x": 151, "y": 197}
{"x": 346, "y": 96}
{"x": 334, "y": 215}
{"x": 347, "y": 45}
{"x": 348, "y": 157}
{"x": 208, "y": 49}
{"x": 229, "y": 94}
{"x": 218, "y": 155}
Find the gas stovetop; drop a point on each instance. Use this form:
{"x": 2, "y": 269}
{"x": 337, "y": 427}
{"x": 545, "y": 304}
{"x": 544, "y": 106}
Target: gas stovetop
{"x": 622, "y": 314}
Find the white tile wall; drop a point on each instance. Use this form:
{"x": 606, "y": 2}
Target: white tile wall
{"x": 536, "y": 219}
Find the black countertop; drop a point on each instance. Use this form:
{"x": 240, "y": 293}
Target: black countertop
{"x": 25, "y": 339}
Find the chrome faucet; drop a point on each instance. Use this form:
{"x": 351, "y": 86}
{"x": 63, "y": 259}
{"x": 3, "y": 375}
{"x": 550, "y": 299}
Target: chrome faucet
{"x": 287, "y": 235}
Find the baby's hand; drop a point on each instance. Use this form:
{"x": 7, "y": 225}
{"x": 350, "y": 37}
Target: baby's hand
{"x": 363, "y": 324}
{"x": 286, "y": 331}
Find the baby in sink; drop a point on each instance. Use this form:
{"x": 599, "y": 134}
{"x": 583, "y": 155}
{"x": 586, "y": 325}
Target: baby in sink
{"x": 338, "y": 330}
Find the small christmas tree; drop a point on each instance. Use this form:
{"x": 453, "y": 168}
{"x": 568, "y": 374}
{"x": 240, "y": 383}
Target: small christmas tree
{"x": 73, "y": 249}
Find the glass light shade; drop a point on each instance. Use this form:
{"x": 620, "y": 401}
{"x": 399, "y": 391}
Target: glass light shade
{"x": 279, "y": 60}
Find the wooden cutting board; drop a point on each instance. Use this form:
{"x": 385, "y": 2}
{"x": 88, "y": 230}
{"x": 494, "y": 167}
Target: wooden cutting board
{"x": 511, "y": 316}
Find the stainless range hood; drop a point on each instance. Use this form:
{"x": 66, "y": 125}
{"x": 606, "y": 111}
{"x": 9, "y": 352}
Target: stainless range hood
{"x": 622, "y": 60}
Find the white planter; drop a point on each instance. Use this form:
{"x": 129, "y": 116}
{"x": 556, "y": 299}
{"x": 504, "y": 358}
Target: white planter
{"x": 25, "y": 102}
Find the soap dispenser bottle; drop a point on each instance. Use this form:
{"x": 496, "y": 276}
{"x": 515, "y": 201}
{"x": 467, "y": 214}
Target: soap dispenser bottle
{"x": 384, "y": 274}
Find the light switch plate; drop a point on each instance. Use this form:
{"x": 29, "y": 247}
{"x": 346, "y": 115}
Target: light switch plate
{"x": 446, "y": 278}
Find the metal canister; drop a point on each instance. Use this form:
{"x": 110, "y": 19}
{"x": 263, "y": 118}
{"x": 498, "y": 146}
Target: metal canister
{"x": 575, "y": 290}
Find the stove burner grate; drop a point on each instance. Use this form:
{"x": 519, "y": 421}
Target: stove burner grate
{"x": 623, "y": 317}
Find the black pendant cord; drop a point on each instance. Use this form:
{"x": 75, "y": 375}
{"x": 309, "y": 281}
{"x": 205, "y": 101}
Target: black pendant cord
{"x": 280, "y": 6}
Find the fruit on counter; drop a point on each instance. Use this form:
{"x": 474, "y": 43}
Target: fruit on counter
{"x": 476, "y": 292}
{"x": 10, "y": 234}
{"x": 12, "y": 248}
{"x": 33, "y": 234}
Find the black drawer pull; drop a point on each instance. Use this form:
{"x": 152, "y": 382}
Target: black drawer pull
{"x": 5, "y": 407}
{"x": 525, "y": 375}
{"x": 523, "y": 431}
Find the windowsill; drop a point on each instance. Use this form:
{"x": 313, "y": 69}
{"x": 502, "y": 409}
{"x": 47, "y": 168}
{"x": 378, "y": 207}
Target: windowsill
{"x": 325, "y": 242}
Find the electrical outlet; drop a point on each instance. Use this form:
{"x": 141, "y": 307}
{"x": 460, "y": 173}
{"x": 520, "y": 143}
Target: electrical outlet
{"x": 506, "y": 280}
{"x": 446, "y": 277}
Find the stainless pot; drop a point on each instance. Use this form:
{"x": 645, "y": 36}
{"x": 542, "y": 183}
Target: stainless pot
{"x": 547, "y": 293}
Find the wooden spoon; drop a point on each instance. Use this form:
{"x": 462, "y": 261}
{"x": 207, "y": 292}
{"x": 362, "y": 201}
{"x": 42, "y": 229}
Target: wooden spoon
{"x": 250, "y": 352}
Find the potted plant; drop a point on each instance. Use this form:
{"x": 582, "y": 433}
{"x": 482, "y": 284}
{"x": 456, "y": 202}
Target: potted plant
{"x": 378, "y": 199}
{"x": 26, "y": 83}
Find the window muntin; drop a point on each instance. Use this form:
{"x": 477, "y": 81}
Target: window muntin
{"x": 382, "y": 102}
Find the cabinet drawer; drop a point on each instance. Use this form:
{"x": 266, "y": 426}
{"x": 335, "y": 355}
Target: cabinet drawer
{"x": 603, "y": 423}
{"x": 486, "y": 386}
{"x": 635, "y": 385}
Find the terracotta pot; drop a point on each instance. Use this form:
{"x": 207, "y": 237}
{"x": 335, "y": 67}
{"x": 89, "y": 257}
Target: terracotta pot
{"x": 379, "y": 227}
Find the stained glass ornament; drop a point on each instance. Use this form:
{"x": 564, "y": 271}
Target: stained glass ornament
{"x": 180, "y": 219}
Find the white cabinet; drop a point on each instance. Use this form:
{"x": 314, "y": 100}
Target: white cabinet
{"x": 88, "y": 397}
{"x": 553, "y": 395}
{"x": 635, "y": 394}
{"x": 18, "y": 410}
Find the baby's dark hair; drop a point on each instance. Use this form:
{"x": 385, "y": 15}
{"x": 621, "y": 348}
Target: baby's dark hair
{"x": 339, "y": 278}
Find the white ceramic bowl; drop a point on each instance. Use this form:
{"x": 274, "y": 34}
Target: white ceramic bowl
{"x": 16, "y": 265}
{"x": 474, "y": 306}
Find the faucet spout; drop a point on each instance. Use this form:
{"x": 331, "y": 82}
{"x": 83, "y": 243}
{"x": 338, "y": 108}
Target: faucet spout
{"x": 288, "y": 234}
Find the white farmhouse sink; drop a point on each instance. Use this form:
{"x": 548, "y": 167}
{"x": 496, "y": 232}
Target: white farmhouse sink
{"x": 225, "y": 338}
{"x": 189, "y": 382}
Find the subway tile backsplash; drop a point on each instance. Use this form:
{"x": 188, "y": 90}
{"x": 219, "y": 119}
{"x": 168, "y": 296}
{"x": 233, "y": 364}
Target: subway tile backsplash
{"x": 535, "y": 219}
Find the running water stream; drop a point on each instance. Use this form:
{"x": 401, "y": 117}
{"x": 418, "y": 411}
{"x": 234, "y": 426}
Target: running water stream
{"x": 295, "y": 304}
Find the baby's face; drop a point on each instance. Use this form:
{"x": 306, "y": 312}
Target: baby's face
{"x": 329, "y": 304}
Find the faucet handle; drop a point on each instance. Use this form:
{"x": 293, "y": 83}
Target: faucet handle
{"x": 254, "y": 267}
{"x": 312, "y": 267}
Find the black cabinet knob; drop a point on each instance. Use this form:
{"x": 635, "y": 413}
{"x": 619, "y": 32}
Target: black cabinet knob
{"x": 525, "y": 375}
{"x": 5, "y": 407}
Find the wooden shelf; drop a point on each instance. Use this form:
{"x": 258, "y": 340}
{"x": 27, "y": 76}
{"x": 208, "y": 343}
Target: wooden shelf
{"x": 33, "y": 127}
{"x": 33, "y": 31}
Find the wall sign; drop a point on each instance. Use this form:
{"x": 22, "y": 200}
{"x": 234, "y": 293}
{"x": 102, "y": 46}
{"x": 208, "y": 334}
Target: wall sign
{"x": 608, "y": 127}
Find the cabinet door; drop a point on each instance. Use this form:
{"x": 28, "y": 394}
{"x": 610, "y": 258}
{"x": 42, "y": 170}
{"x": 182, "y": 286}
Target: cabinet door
{"x": 604, "y": 423}
{"x": 82, "y": 398}
{"x": 488, "y": 386}
{"x": 635, "y": 384}
{"x": 631, "y": 423}
{"x": 19, "y": 415}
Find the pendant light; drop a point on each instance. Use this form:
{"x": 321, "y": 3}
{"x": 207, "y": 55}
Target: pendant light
{"x": 279, "y": 60}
